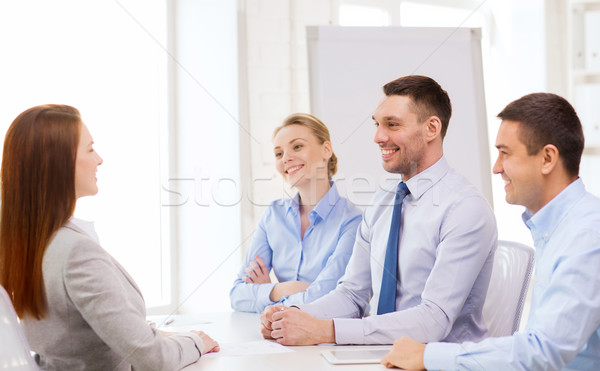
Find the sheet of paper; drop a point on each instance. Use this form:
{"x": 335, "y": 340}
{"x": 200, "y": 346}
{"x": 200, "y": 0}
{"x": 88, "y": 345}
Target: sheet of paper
{"x": 250, "y": 348}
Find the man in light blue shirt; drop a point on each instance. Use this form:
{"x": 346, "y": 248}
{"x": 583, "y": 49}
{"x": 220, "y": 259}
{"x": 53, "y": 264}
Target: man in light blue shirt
{"x": 447, "y": 238}
{"x": 540, "y": 142}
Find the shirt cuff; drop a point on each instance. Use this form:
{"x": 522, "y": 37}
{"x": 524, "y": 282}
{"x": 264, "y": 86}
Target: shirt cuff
{"x": 263, "y": 297}
{"x": 441, "y": 356}
{"x": 348, "y": 331}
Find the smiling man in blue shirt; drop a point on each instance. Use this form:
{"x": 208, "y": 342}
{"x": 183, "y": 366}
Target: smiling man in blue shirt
{"x": 540, "y": 142}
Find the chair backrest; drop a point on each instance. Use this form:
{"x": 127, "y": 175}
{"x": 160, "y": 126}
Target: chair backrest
{"x": 513, "y": 266}
{"x": 15, "y": 354}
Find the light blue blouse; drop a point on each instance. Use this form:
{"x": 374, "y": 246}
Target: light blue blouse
{"x": 320, "y": 257}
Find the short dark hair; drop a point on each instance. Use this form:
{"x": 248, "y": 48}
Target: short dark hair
{"x": 428, "y": 97}
{"x": 547, "y": 118}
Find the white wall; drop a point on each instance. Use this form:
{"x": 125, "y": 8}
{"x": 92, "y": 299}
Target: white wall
{"x": 273, "y": 37}
{"x": 515, "y": 66}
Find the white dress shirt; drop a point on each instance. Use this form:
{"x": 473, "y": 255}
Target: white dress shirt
{"x": 447, "y": 242}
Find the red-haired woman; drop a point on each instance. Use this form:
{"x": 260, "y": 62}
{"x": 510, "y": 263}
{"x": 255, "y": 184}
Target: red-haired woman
{"x": 79, "y": 308}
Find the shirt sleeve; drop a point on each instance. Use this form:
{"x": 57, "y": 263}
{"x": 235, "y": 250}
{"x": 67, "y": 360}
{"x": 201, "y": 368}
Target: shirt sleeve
{"x": 468, "y": 237}
{"x": 335, "y": 267}
{"x": 558, "y": 328}
{"x": 253, "y": 297}
{"x": 95, "y": 286}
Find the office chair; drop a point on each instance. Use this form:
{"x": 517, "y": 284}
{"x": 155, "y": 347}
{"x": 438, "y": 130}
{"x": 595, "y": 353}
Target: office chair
{"x": 15, "y": 354}
{"x": 513, "y": 266}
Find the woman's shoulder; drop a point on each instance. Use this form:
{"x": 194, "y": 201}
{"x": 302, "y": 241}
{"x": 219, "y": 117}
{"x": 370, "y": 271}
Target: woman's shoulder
{"x": 348, "y": 209}
{"x": 71, "y": 235}
{"x": 71, "y": 250}
{"x": 341, "y": 201}
{"x": 70, "y": 241}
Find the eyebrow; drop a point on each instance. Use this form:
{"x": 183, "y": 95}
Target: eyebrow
{"x": 501, "y": 146}
{"x": 292, "y": 141}
{"x": 388, "y": 118}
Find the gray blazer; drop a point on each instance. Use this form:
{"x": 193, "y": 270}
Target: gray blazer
{"x": 96, "y": 317}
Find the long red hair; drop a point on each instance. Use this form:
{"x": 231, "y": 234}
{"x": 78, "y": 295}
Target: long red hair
{"x": 38, "y": 198}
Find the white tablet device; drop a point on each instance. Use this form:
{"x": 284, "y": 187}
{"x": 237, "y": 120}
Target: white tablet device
{"x": 354, "y": 356}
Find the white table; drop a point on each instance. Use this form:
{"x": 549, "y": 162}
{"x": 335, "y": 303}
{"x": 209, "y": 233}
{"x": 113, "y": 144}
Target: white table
{"x": 236, "y": 327}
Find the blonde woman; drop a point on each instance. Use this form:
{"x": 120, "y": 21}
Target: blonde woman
{"x": 307, "y": 240}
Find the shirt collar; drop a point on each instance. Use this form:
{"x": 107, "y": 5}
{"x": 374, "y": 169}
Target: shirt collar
{"x": 323, "y": 207}
{"x": 543, "y": 223}
{"x": 328, "y": 201}
{"x": 85, "y": 227}
{"x": 294, "y": 206}
{"x": 422, "y": 182}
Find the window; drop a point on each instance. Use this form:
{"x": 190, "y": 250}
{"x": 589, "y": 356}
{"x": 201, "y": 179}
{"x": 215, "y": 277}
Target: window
{"x": 413, "y": 14}
{"x": 103, "y": 58}
{"x": 361, "y": 15}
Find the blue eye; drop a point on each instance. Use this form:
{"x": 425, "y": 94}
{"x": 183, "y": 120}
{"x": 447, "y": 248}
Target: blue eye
{"x": 278, "y": 154}
{"x": 298, "y": 146}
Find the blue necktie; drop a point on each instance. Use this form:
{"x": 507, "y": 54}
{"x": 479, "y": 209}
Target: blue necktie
{"x": 387, "y": 295}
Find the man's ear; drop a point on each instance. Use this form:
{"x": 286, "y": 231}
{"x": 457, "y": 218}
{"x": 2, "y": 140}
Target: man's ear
{"x": 550, "y": 158}
{"x": 433, "y": 128}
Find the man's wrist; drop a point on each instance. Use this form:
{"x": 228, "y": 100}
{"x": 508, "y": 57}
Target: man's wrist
{"x": 328, "y": 334}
